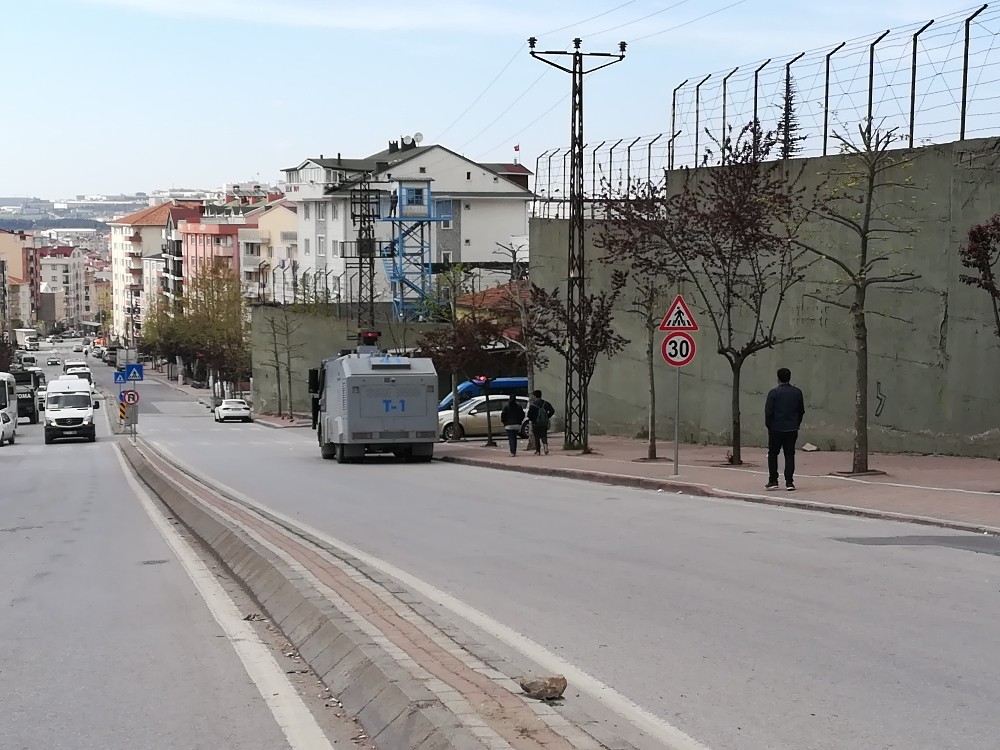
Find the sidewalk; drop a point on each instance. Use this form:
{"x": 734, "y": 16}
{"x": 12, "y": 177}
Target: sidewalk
{"x": 961, "y": 493}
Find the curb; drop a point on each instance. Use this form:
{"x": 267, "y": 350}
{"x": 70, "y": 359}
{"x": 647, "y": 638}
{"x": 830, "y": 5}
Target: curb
{"x": 394, "y": 709}
{"x": 273, "y": 426}
{"x": 701, "y": 490}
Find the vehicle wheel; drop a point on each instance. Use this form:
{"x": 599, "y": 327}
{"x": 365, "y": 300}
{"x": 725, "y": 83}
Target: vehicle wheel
{"x": 247, "y": 419}
{"x": 339, "y": 454}
{"x": 453, "y": 431}
{"x": 34, "y": 419}
{"x": 11, "y": 441}
{"x": 2, "y": 442}
{"x": 328, "y": 450}
{"x": 92, "y": 438}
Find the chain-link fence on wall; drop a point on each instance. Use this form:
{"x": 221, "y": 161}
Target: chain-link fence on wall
{"x": 933, "y": 82}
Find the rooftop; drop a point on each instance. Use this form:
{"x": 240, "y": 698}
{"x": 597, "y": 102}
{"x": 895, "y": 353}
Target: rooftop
{"x": 154, "y": 216}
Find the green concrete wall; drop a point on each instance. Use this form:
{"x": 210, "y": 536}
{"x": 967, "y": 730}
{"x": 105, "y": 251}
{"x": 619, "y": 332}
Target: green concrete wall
{"x": 318, "y": 332}
{"x": 934, "y": 356}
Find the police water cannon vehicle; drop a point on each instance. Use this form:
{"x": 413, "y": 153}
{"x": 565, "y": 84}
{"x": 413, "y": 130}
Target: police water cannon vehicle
{"x": 367, "y": 401}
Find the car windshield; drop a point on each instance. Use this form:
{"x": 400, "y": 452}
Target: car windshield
{"x": 81, "y": 374}
{"x": 236, "y": 403}
{"x": 67, "y": 401}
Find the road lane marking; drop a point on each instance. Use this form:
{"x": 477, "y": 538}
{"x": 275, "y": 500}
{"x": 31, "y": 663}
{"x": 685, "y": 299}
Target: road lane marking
{"x": 645, "y": 720}
{"x": 292, "y": 715}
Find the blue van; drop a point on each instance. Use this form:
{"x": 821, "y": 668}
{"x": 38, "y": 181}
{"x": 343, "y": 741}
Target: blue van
{"x": 504, "y": 386}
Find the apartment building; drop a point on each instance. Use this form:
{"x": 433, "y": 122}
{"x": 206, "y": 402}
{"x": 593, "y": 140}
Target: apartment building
{"x": 269, "y": 254}
{"x": 63, "y": 266}
{"x": 17, "y": 249}
{"x": 134, "y": 237}
{"x": 487, "y": 206}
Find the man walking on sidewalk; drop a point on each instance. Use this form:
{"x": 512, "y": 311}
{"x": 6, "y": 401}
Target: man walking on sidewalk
{"x": 512, "y": 417}
{"x": 783, "y": 414}
{"x": 540, "y": 414}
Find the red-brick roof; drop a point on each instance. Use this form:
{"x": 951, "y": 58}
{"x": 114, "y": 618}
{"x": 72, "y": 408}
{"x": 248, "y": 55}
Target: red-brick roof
{"x": 55, "y": 251}
{"x": 498, "y": 298}
{"x": 154, "y": 216}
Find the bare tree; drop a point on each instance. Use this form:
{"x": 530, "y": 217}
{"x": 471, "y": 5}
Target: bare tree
{"x": 648, "y": 261}
{"x": 520, "y": 310}
{"x": 731, "y": 232}
{"x": 859, "y": 204}
{"x": 981, "y": 255}
{"x": 275, "y": 362}
{"x": 288, "y": 328}
{"x": 594, "y": 332}
{"x": 515, "y": 253}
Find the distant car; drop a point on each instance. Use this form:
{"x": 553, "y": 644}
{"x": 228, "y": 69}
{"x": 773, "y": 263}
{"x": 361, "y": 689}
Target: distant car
{"x": 472, "y": 421}
{"x": 97, "y": 352}
{"x": 233, "y": 408}
{"x": 53, "y": 361}
{"x": 78, "y": 347}
{"x": 7, "y": 429}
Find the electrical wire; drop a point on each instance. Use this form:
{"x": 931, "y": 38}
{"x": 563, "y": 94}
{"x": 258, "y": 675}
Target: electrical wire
{"x": 592, "y": 18}
{"x": 482, "y": 93}
{"x": 688, "y": 23}
{"x": 640, "y": 18}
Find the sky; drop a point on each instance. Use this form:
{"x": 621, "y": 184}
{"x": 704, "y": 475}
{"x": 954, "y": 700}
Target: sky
{"x": 109, "y": 96}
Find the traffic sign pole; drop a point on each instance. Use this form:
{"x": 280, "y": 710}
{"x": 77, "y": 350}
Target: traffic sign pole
{"x": 677, "y": 427}
{"x": 678, "y": 350}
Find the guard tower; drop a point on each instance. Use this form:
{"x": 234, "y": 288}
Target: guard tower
{"x": 407, "y": 258}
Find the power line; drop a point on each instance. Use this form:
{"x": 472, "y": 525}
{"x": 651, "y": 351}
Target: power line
{"x": 688, "y": 23}
{"x": 641, "y": 18}
{"x": 509, "y": 107}
{"x": 483, "y": 92}
{"x": 528, "y": 126}
{"x": 588, "y": 20}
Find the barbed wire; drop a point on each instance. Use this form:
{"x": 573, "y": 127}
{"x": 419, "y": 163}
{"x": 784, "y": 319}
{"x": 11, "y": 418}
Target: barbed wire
{"x": 916, "y": 78}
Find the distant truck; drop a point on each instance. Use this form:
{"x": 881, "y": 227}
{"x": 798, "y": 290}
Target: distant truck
{"x": 366, "y": 401}
{"x": 27, "y": 339}
{"x": 27, "y": 384}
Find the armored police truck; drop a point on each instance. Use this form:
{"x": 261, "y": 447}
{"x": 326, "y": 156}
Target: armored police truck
{"x": 366, "y": 401}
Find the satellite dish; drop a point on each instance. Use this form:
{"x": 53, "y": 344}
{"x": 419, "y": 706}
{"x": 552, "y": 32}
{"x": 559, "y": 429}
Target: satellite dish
{"x": 418, "y": 137}
{"x": 407, "y": 139}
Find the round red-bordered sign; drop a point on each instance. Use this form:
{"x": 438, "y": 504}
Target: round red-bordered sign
{"x": 678, "y": 349}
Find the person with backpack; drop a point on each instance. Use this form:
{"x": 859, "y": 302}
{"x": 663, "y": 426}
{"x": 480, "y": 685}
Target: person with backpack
{"x": 512, "y": 417}
{"x": 540, "y": 414}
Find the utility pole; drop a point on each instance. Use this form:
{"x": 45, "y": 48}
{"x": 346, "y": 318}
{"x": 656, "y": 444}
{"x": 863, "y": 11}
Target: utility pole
{"x": 364, "y": 211}
{"x": 576, "y": 394}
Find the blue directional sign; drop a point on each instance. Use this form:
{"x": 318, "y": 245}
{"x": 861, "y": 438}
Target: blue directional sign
{"x": 120, "y": 377}
{"x": 133, "y": 373}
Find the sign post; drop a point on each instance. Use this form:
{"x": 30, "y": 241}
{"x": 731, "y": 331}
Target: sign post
{"x": 678, "y": 350}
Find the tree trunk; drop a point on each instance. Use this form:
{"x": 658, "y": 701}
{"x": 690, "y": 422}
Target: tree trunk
{"x": 288, "y": 374}
{"x": 650, "y": 363}
{"x": 277, "y": 380}
{"x": 860, "y": 460}
{"x": 736, "y": 458}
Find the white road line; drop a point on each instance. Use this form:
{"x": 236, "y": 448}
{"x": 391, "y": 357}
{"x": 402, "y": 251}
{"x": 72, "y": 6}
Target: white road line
{"x": 291, "y": 714}
{"x": 656, "y": 727}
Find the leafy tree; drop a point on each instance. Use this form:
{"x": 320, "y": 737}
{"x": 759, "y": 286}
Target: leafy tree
{"x": 595, "y": 334}
{"x": 981, "y": 255}
{"x": 860, "y": 205}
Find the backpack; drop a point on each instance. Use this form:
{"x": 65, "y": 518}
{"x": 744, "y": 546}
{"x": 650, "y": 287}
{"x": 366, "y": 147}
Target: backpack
{"x": 542, "y": 418}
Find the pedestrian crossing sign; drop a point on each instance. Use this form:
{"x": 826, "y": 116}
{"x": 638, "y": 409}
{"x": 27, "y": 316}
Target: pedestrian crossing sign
{"x": 133, "y": 373}
{"x": 120, "y": 377}
{"x": 678, "y": 317}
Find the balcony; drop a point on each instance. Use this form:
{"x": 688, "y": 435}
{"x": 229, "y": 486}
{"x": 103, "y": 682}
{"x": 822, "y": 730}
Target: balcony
{"x": 136, "y": 238}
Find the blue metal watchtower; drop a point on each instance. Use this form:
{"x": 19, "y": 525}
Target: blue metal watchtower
{"x": 407, "y": 258}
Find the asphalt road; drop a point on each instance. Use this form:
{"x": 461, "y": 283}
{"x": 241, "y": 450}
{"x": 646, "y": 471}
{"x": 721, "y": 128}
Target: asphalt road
{"x": 746, "y": 626}
{"x": 104, "y": 641}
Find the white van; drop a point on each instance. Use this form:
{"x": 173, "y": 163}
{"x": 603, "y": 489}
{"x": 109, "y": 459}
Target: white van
{"x": 81, "y": 372}
{"x": 69, "y": 410}
{"x": 8, "y": 408}
{"x": 75, "y": 363}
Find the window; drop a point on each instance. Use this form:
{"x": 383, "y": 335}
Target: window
{"x": 333, "y": 210}
{"x": 446, "y": 224}
{"x": 423, "y": 170}
{"x": 468, "y": 175}
{"x": 305, "y": 211}
{"x": 320, "y": 245}
{"x": 335, "y": 248}
{"x": 446, "y": 257}
{"x": 321, "y": 211}
{"x": 305, "y": 246}
{"x": 415, "y": 197}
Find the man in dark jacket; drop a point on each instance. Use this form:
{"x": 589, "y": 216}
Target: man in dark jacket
{"x": 783, "y": 414}
{"x": 512, "y": 417}
{"x": 540, "y": 414}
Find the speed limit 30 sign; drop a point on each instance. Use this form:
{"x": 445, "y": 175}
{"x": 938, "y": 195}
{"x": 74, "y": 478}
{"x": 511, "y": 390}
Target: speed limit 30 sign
{"x": 678, "y": 349}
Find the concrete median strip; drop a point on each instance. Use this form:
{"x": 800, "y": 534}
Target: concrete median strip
{"x": 410, "y": 684}
{"x": 702, "y": 490}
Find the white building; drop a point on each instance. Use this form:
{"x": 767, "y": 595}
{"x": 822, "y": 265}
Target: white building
{"x": 488, "y": 205}
{"x": 133, "y": 237}
{"x": 63, "y": 267}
